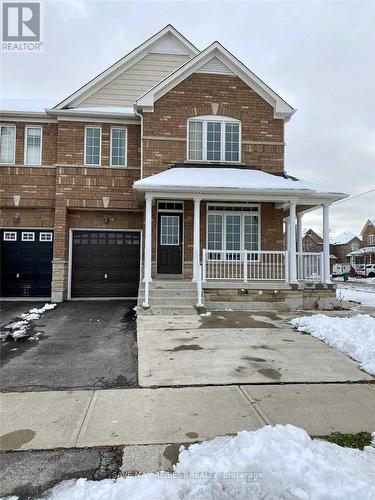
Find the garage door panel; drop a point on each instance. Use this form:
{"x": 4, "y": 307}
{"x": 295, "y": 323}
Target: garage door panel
{"x": 105, "y": 264}
{"x": 26, "y": 266}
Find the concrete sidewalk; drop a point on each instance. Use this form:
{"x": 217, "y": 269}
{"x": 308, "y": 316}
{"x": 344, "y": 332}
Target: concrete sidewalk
{"x": 121, "y": 417}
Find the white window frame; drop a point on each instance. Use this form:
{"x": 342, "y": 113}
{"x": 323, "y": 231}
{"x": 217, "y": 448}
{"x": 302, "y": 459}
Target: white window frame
{"x": 100, "y": 147}
{"x": 25, "y": 144}
{"x": 3, "y": 125}
{"x": 370, "y": 239}
{"x": 10, "y": 236}
{"x": 125, "y": 147}
{"x": 23, "y": 238}
{"x": 46, "y": 233}
{"x": 217, "y": 119}
{"x": 224, "y": 214}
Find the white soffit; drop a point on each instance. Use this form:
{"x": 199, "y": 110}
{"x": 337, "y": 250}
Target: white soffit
{"x": 215, "y": 66}
{"x": 216, "y": 51}
{"x": 167, "y": 37}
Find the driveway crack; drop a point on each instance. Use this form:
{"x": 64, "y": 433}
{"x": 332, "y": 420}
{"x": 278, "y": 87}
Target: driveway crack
{"x": 84, "y": 418}
{"x": 256, "y": 407}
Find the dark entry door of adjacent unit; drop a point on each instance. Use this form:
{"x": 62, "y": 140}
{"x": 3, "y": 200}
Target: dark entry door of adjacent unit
{"x": 26, "y": 262}
{"x": 170, "y": 242}
{"x": 105, "y": 263}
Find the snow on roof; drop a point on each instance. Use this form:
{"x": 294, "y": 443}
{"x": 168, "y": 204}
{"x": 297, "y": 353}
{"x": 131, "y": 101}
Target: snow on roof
{"x": 305, "y": 230}
{"x": 343, "y": 238}
{"x": 127, "y": 111}
{"x": 219, "y": 178}
{"x": 361, "y": 251}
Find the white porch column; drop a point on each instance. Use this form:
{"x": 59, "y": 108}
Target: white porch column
{"x": 292, "y": 242}
{"x": 326, "y": 264}
{"x": 148, "y": 239}
{"x": 299, "y": 232}
{"x": 196, "y": 244}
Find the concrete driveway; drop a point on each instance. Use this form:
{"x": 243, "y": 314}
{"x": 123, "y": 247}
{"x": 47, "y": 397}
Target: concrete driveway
{"x": 235, "y": 348}
{"x": 89, "y": 344}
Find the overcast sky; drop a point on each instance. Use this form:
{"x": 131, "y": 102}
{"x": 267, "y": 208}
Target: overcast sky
{"x": 319, "y": 56}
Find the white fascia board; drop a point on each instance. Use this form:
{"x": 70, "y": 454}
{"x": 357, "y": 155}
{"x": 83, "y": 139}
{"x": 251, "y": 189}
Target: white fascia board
{"x": 76, "y": 114}
{"x": 282, "y": 108}
{"x": 25, "y": 116}
{"x": 122, "y": 64}
{"x": 307, "y": 196}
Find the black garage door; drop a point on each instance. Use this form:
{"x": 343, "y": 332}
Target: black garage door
{"x": 26, "y": 263}
{"x": 105, "y": 263}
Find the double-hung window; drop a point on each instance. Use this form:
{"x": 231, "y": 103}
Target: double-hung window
{"x": 93, "y": 145}
{"x": 33, "y": 145}
{"x": 370, "y": 239}
{"x": 233, "y": 228}
{"x": 214, "y": 139}
{"x": 7, "y": 144}
{"x": 118, "y": 146}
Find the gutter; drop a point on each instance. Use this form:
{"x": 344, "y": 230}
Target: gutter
{"x": 141, "y": 117}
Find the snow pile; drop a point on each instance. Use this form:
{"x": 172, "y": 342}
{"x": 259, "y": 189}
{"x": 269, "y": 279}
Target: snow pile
{"x": 270, "y": 463}
{"x": 364, "y": 297}
{"x": 354, "y": 336}
{"x": 18, "y": 329}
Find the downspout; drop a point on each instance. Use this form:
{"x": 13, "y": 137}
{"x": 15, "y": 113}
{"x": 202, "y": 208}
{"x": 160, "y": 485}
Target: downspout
{"x": 141, "y": 117}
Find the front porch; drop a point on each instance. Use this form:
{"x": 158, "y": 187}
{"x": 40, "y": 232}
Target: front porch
{"x": 233, "y": 238}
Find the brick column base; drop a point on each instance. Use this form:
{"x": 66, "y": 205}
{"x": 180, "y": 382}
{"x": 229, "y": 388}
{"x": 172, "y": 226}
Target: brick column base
{"x": 59, "y": 280}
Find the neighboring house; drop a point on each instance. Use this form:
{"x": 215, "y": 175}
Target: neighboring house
{"x": 343, "y": 244}
{"x": 169, "y": 160}
{"x": 365, "y": 254}
{"x": 312, "y": 241}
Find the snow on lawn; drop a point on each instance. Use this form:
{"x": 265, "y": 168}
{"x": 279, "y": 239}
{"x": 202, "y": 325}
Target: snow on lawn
{"x": 365, "y": 297}
{"x": 270, "y": 463}
{"x": 18, "y": 329}
{"x": 354, "y": 336}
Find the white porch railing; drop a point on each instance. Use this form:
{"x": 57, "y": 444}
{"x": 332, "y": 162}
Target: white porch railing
{"x": 310, "y": 266}
{"x": 248, "y": 265}
{"x": 244, "y": 265}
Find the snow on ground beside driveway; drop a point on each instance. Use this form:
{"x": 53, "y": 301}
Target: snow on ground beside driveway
{"x": 18, "y": 329}
{"x": 365, "y": 297}
{"x": 270, "y": 463}
{"x": 354, "y": 336}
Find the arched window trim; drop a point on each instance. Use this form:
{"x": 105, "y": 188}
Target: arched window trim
{"x": 205, "y": 120}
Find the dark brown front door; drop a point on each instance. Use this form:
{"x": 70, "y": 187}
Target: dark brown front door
{"x": 170, "y": 243}
{"x": 105, "y": 263}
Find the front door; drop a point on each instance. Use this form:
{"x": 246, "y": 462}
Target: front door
{"x": 170, "y": 243}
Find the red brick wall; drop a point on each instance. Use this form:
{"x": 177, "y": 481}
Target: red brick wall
{"x": 366, "y": 233}
{"x": 195, "y": 96}
{"x": 70, "y": 144}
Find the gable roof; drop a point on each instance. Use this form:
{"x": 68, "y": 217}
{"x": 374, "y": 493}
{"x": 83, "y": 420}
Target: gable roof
{"x": 166, "y": 40}
{"x": 369, "y": 222}
{"x": 219, "y": 53}
{"x": 343, "y": 238}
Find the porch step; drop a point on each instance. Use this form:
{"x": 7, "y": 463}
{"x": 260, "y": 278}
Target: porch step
{"x": 169, "y": 297}
{"x": 169, "y": 285}
{"x": 156, "y": 300}
{"x": 167, "y": 311}
{"x": 172, "y": 292}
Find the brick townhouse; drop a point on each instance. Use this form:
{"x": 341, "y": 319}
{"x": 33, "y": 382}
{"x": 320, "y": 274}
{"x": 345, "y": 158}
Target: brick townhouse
{"x": 169, "y": 164}
{"x": 365, "y": 252}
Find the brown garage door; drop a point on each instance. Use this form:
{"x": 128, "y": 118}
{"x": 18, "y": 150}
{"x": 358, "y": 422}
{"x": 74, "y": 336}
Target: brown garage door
{"x": 105, "y": 263}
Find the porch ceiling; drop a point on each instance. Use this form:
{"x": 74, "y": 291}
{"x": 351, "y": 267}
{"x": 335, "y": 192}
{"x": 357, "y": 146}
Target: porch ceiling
{"x": 228, "y": 182}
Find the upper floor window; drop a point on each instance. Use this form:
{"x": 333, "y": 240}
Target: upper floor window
{"x": 93, "y": 145}
{"x": 118, "y": 146}
{"x": 355, "y": 246}
{"x": 214, "y": 138}
{"x": 33, "y": 145}
{"x": 7, "y": 144}
{"x": 370, "y": 239}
